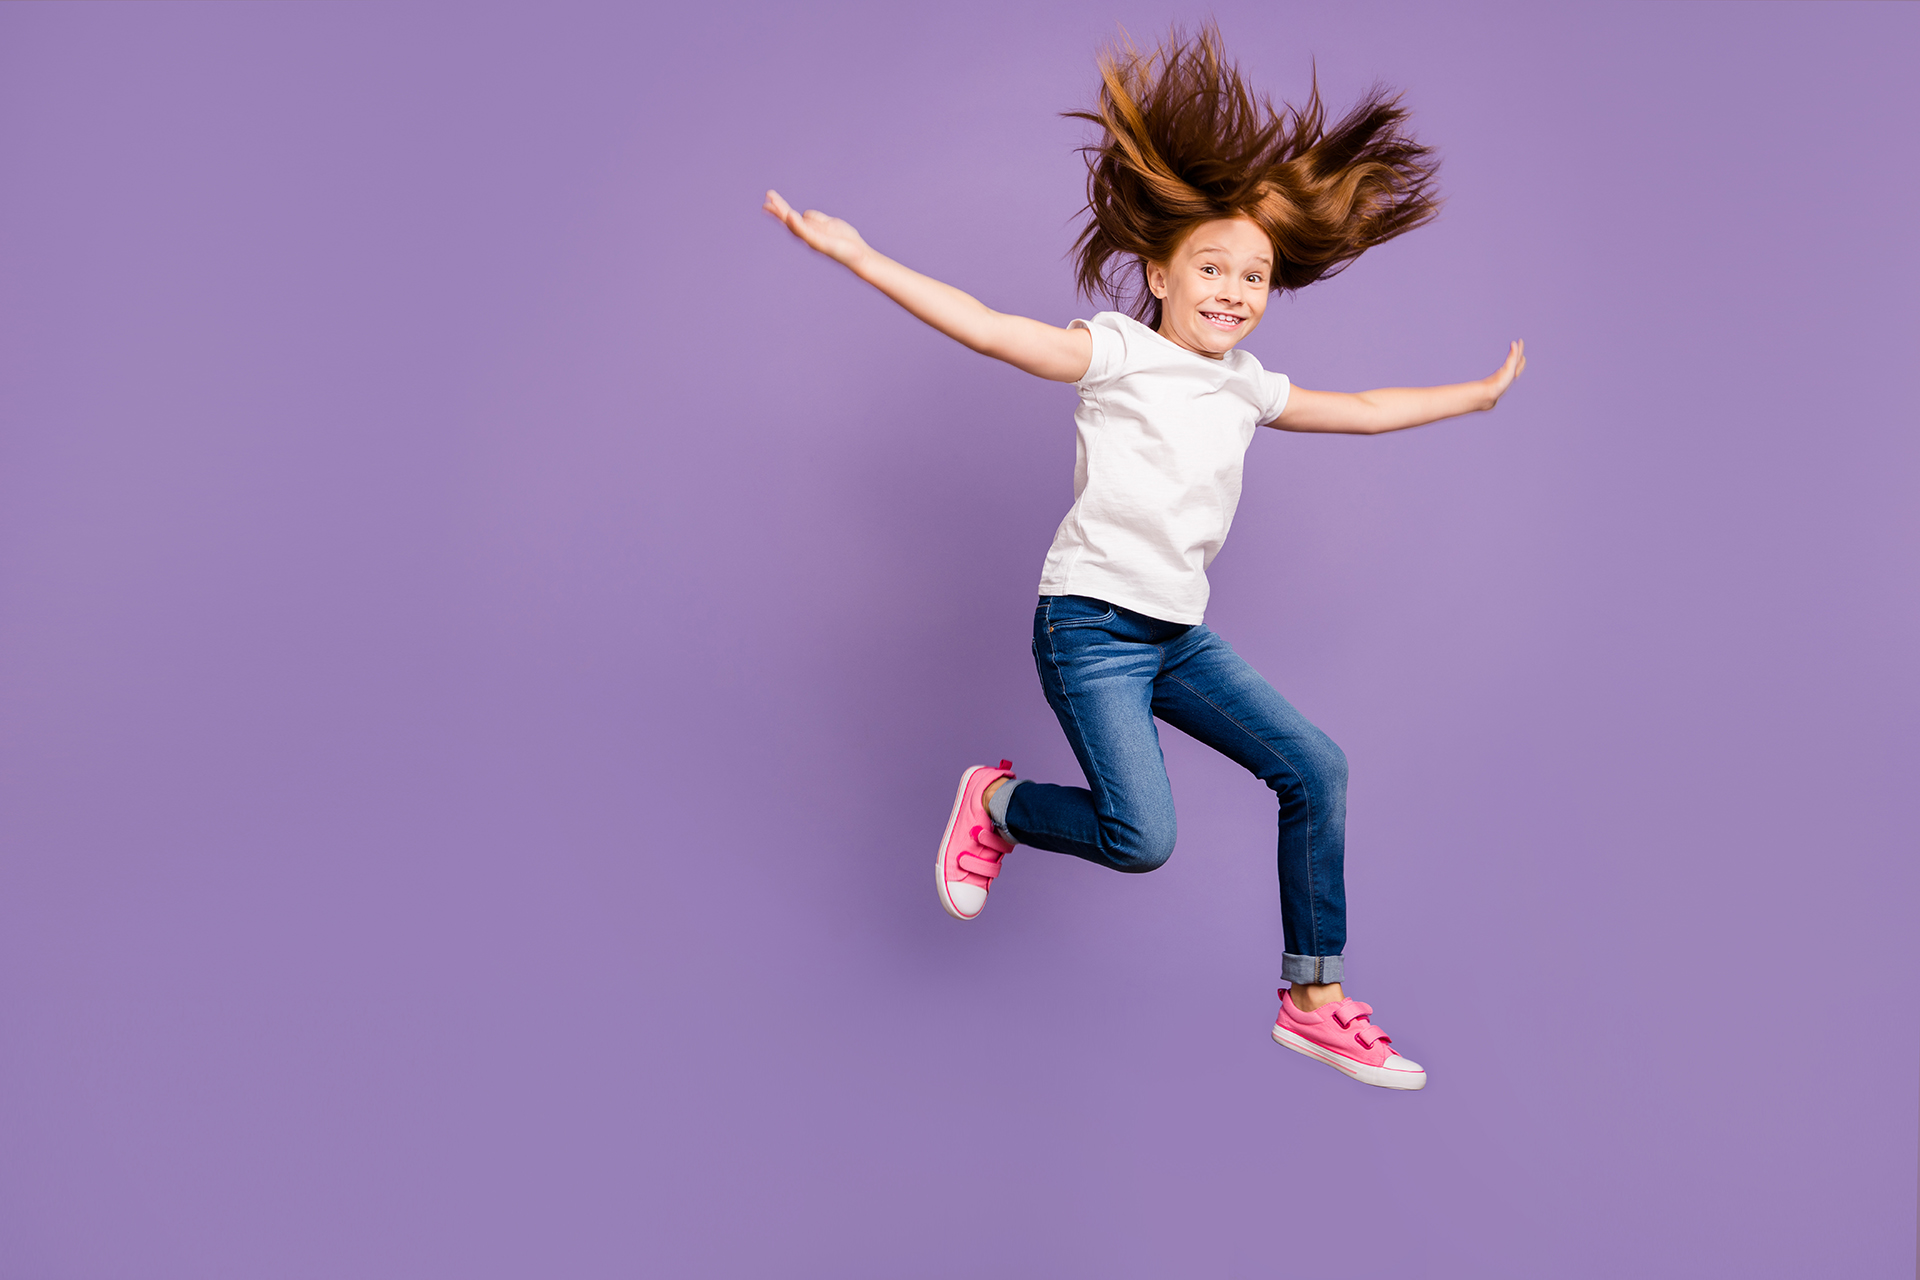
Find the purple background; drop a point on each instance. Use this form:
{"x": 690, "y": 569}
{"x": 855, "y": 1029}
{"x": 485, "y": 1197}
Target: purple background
{"x": 489, "y": 627}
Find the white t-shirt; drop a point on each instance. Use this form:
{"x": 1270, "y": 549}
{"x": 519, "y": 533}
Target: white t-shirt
{"x": 1162, "y": 434}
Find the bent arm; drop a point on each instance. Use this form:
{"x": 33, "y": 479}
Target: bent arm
{"x": 1038, "y": 348}
{"x": 1367, "y": 413}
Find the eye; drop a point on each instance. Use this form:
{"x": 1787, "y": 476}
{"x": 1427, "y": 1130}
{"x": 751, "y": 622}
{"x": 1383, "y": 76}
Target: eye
{"x": 1254, "y": 278}
{"x": 1210, "y": 271}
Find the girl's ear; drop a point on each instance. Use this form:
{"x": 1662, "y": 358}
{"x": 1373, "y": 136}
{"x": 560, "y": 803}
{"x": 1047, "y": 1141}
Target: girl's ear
{"x": 1157, "y": 280}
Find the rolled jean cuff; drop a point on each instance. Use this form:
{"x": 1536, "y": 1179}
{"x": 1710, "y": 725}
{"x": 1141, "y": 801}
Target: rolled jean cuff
{"x": 997, "y": 806}
{"x": 1313, "y": 968}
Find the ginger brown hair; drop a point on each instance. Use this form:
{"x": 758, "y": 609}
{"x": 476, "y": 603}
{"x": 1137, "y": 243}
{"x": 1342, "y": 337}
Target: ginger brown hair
{"x": 1184, "y": 141}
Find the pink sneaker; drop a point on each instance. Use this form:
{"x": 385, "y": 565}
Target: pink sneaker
{"x": 971, "y": 849}
{"x": 1343, "y": 1036}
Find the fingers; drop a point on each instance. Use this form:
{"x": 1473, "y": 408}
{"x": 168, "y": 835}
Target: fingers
{"x": 1502, "y": 379}
{"x": 807, "y": 226}
{"x": 776, "y": 205}
{"x": 1516, "y": 360}
{"x": 802, "y": 225}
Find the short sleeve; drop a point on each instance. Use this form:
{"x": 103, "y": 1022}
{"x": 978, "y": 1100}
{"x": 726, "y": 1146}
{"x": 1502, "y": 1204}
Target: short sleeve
{"x": 1109, "y": 351}
{"x": 1276, "y": 389}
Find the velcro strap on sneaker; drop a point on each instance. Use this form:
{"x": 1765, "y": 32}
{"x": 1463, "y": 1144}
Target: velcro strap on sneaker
{"x": 1369, "y": 1035}
{"x": 989, "y": 839}
{"x": 1348, "y": 1010}
{"x": 977, "y": 865}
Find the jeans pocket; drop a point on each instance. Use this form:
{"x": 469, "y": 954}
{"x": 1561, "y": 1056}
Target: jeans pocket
{"x": 1077, "y": 611}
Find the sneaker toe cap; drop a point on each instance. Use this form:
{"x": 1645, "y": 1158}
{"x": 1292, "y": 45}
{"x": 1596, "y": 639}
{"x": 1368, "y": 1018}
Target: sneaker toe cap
{"x": 967, "y": 899}
{"x": 1401, "y": 1062}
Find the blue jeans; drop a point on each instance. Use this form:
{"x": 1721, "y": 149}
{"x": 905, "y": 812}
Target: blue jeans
{"x": 1108, "y": 672}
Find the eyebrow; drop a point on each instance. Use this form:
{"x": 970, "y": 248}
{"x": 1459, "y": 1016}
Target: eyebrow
{"x": 1220, "y": 249}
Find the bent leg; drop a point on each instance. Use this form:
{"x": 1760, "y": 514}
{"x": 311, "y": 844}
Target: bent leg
{"x": 1208, "y": 691}
{"x": 1099, "y": 679}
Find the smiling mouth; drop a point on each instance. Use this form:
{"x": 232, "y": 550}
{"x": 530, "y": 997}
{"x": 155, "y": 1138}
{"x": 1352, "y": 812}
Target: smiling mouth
{"x": 1223, "y": 319}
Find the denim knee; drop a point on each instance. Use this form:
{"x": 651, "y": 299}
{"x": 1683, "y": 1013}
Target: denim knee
{"x": 1137, "y": 850}
{"x": 1332, "y": 766}
{"x": 1317, "y": 767}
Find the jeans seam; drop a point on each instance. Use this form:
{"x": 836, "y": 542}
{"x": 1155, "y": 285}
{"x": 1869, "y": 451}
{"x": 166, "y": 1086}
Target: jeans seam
{"x": 1053, "y": 658}
{"x": 1096, "y": 780}
{"x": 1306, "y": 792}
{"x": 1104, "y": 618}
{"x": 1044, "y": 832}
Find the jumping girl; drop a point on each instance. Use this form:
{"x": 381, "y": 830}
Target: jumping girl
{"x": 1202, "y": 202}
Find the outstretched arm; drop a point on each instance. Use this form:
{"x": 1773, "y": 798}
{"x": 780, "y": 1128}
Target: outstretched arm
{"x": 1051, "y": 352}
{"x": 1367, "y": 413}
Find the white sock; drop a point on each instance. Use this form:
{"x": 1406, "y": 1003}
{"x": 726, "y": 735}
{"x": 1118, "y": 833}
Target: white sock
{"x": 997, "y": 808}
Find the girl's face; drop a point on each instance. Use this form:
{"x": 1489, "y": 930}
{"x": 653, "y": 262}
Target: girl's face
{"x": 1213, "y": 290}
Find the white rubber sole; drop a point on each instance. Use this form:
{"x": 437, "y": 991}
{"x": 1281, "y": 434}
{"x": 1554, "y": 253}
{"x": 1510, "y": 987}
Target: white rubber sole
{"x": 940, "y": 852}
{"x": 1379, "y": 1076}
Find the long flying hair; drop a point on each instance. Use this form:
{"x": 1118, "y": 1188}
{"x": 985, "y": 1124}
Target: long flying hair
{"x": 1184, "y": 141}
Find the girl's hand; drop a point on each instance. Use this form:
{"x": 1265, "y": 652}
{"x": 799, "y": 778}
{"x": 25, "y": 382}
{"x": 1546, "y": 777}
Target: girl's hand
{"x": 1497, "y": 384}
{"x": 834, "y": 237}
